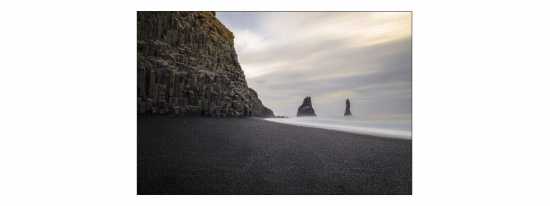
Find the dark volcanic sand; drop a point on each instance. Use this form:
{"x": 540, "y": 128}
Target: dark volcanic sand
{"x": 250, "y": 156}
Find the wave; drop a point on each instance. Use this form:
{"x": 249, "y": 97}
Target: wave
{"x": 401, "y": 130}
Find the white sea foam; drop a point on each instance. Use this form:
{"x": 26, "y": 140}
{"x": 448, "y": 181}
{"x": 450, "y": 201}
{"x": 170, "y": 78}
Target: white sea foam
{"x": 393, "y": 129}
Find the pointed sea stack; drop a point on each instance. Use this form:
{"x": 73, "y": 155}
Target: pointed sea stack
{"x": 187, "y": 64}
{"x": 348, "y": 112}
{"x": 306, "y": 109}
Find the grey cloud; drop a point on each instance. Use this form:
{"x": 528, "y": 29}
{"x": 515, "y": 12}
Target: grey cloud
{"x": 377, "y": 78}
{"x": 240, "y": 20}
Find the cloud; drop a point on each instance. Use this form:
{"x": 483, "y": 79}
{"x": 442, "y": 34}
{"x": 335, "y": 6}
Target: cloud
{"x": 330, "y": 56}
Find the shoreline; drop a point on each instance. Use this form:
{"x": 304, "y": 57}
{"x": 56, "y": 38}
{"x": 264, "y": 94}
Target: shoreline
{"x": 193, "y": 155}
{"x": 370, "y": 131}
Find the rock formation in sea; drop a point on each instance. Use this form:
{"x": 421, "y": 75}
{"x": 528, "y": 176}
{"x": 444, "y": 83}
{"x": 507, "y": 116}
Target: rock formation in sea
{"x": 187, "y": 64}
{"x": 348, "y": 112}
{"x": 306, "y": 109}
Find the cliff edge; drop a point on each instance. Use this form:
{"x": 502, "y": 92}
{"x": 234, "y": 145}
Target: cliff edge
{"x": 187, "y": 64}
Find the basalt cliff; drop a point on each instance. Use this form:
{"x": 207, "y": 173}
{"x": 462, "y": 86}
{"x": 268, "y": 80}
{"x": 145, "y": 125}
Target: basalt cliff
{"x": 187, "y": 64}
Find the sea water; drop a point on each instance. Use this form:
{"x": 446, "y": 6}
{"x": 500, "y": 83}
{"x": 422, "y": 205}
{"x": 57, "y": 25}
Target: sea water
{"x": 378, "y": 127}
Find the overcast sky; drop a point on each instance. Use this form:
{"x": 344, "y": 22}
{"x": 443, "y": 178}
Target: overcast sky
{"x": 330, "y": 56}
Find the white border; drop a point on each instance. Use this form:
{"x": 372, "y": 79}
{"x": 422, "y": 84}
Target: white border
{"x": 480, "y": 102}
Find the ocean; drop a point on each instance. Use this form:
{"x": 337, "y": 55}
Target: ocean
{"x": 385, "y": 128}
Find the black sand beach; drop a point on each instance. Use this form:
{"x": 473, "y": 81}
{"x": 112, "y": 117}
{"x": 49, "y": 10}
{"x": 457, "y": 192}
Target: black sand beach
{"x": 179, "y": 155}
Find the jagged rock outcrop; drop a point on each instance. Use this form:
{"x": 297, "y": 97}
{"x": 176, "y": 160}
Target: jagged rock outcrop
{"x": 306, "y": 109}
{"x": 348, "y": 112}
{"x": 187, "y": 64}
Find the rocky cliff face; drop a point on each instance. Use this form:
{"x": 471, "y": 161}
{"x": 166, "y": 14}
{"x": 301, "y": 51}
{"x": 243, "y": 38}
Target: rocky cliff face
{"x": 306, "y": 109}
{"x": 347, "y": 112}
{"x": 187, "y": 64}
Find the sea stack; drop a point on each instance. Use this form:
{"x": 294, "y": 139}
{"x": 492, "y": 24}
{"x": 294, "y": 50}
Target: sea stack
{"x": 306, "y": 109}
{"x": 187, "y": 64}
{"x": 348, "y": 112}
